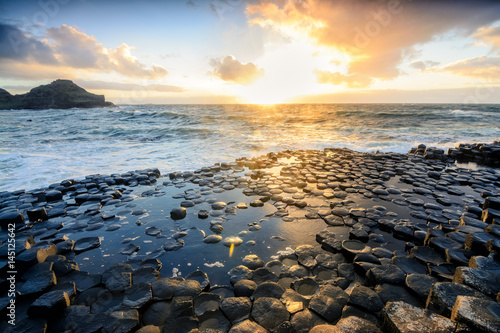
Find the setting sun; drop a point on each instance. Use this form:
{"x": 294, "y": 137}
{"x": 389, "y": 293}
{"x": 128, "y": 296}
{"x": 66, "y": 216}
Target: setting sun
{"x": 290, "y": 72}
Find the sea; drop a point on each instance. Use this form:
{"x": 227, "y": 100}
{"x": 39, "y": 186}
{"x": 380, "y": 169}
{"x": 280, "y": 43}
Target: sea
{"x": 42, "y": 147}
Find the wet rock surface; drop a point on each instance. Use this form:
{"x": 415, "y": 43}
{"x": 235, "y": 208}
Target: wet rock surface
{"x": 320, "y": 241}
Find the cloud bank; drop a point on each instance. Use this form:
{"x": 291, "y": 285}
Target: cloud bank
{"x": 231, "y": 70}
{"x": 66, "y": 48}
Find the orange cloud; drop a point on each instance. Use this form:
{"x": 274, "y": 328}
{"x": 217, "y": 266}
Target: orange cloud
{"x": 376, "y": 33}
{"x": 352, "y": 81}
{"x": 490, "y": 35}
{"x": 231, "y": 70}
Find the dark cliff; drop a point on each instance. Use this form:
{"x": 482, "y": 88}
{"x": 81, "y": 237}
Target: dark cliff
{"x": 60, "y": 94}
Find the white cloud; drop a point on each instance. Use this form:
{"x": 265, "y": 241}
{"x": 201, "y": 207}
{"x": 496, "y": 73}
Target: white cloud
{"x": 67, "y": 50}
{"x": 485, "y": 68}
{"x": 231, "y": 70}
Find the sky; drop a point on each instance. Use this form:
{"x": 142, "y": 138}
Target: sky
{"x": 256, "y": 51}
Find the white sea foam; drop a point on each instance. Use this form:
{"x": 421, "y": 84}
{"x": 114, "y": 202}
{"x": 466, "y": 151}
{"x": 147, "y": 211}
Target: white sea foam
{"x": 215, "y": 264}
{"x": 64, "y": 144}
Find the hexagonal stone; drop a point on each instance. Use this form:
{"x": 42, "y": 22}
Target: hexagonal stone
{"x": 232, "y": 240}
{"x": 83, "y": 280}
{"x": 420, "y": 284}
{"x": 326, "y": 307}
{"x": 105, "y": 302}
{"x": 307, "y": 287}
{"x": 294, "y": 302}
{"x": 269, "y": 312}
{"x": 239, "y": 273}
{"x": 443, "y": 295}
{"x": 205, "y": 303}
{"x": 37, "y": 269}
{"x": 393, "y": 293}
{"x": 236, "y": 309}
{"x": 53, "y": 195}
{"x": 264, "y": 274}
{"x": 178, "y": 213}
{"x": 365, "y": 298}
{"x": 340, "y": 211}
{"x": 145, "y": 274}
{"x": 308, "y": 261}
{"x": 118, "y": 277}
{"x": 350, "y": 248}
{"x": 482, "y": 315}
{"x": 487, "y": 282}
{"x": 244, "y": 288}
{"x": 213, "y": 320}
{"x": 37, "y": 214}
{"x": 268, "y": 289}
{"x": 68, "y": 287}
{"x": 190, "y": 288}
{"x": 137, "y": 295}
{"x": 10, "y": 217}
{"x": 349, "y": 311}
{"x": 182, "y": 306}
{"x": 485, "y": 263}
{"x": 409, "y": 265}
{"x": 173, "y": 245}
{"x": 86, "y": 243}
{"x": 129, "y": 249}
{"x": 252, "y": 261}
{"x": 354, "y": 324}
{"x": 399, "y": 317}
{"x": 157, "y": 313}
{"x": 386, "y": 274}
{"x": 39, "y": 284}
{"x": 304, "y": 321}
{"x": 34, "y": 255}
{"x": 164, "y": 289}
{"x": 247, "y": 326}
{"x": 50, "y": 304}
{"x": 212, "y": 239}
{"x": 201, "y": 277}
{"x": 425, "y": 255}
{"x": 121, "y": 321}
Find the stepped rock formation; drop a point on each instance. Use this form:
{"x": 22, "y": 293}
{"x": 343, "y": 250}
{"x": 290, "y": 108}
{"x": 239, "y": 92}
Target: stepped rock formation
{"x": 60, "y": 94}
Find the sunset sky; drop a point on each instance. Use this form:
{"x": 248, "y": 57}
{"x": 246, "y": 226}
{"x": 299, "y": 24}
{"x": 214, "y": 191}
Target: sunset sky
{"x": 235, "y": 51}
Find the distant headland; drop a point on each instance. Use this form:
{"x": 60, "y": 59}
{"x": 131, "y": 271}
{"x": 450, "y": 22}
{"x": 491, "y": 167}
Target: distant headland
{"x": 60, "y": 94}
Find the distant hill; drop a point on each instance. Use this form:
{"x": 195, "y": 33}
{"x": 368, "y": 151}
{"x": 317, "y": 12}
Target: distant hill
{"x": 60, "y": 94}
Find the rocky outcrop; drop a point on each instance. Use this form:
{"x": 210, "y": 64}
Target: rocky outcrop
{"x": 481, "y": 153}
{"x": 60, "y": 94}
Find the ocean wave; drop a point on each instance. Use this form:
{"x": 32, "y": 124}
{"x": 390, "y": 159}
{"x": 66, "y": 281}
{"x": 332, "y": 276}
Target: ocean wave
{"x": 467, "y": 112}
{"x": 60, "y": 144}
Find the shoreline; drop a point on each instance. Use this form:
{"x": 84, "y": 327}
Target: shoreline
{"x": 472, "y": 155}
{"x": 387, "y": 223}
